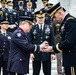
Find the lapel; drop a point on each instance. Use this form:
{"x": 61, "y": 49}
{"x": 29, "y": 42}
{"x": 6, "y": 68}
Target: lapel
{"x": 37, "y": 28}
{"x": 44, "y": 28}
{"x": 64, "y": 21}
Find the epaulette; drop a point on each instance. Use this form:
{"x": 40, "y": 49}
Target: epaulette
{"x": 70, "y": 18}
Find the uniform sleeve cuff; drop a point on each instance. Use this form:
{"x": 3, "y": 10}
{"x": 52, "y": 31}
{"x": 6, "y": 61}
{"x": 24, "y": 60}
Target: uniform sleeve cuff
{"x": 57, "y": 47}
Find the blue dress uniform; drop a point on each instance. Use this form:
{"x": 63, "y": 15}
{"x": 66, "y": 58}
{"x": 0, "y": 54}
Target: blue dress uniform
{"x": 37, "y": 37}
{"x": 29, "y": 12}
{"x": 3, "y": 10}
{"x": 4, "y": 50}
{"x": 13, "y": 19}
{"x": 33, "y": 3}
{"x": 15, "y": 6}
{"x": 67, "y": 44}
{"x": 19, "y": 52}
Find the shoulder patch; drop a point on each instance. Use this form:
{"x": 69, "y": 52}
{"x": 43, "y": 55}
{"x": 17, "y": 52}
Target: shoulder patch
{"x": 70, "y": 18}
{"x": 19, "y": 34}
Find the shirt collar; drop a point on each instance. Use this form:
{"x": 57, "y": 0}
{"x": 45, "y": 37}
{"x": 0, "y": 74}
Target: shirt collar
{"x": 3, "y": 32}
{"x": 40, "y": 25}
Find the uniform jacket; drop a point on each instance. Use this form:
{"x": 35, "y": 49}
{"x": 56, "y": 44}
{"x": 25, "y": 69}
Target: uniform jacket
{"x": 48, "y": 19}
{"x": 4, "y": 12}
{"x": 19, "y": 52}
{"x": 29, "y": 13}
{"x": 68, "y": 40}
{"x": 5, "y": 45}
{"x": 33, "y": 3}
{"x": 37, "y": 37}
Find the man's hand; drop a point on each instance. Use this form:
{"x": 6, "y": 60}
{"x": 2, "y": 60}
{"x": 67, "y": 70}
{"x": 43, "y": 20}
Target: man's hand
{"x": 52, "y": 57}
{"x": 44, "y": 45}
{"x": 47, "y": 49}
{"x": 11, "y": 26}
{"x": 32, "y": 56}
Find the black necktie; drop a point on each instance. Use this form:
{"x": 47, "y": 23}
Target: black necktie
{"x": 41, "y": 28}
{"x": 3, "y": 34}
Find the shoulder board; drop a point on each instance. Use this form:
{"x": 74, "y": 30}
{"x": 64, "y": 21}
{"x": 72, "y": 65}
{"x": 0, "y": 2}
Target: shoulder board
{"x": 70, "y": 18}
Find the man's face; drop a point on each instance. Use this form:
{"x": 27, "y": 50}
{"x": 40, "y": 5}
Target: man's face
{"x": 3, "y": 5}
{"x": 44, "y": 3}
{"x": 29, "y": 6}
{"x": 4, "y": 26}
{"x": 40, "y": 20}
{"x": 27, "y": 26}
{"x": 57, "y": 17}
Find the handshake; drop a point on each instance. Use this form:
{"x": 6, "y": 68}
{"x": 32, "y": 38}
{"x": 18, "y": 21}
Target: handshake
{"x": 44, "y": 47}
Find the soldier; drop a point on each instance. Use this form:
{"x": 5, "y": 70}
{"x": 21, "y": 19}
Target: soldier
{"x": 48, "y": 19}
{"x": 15, "y": 6}
{"x": 67, "y": 44}
{"x": 45, "y": 2}
{"x": 3, "y": 9}
{"x": 5, "y": 38}
{"x": 12, "y": 17}
{"x": 58, "y": 55}
{"x": 21, "y": 8}
{"x": 38, "y": 34}
{"x": 34, "y": 5}
{"x": 21, "y": 47}
{"x": 28, "y": 10}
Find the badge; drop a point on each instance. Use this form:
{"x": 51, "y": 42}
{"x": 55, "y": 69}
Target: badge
{"x": 19, "y": 34}
{"x": 47, "y": 31}
{"x": 9, "y": 37}
{"x": 34, "y": 32}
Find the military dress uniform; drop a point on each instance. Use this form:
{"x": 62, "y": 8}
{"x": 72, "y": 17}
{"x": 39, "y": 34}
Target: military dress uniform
{"x": 13, "y": 19}
{"x": 20, "y": 49}
{"x": 5, "y": 38}
{"x": 29, "y": 12}
{"x": 34, "y": 5}
{"x": 67, "y": 44}
{"x": 3, "y": 10}
{"x": 37, "y": 37}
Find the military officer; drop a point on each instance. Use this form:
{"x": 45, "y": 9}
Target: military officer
{"x": 21, "y": 47}
{"x": 5, "y": 38}
{"x": 21, "y": 8}
{"x": 48, "y": 19}
{"x": 58, "y": 55}
{"x": 28, "y": 10}
{"x": 39, "y": 33}
{"x": 34, "y": 3}
{"x": 45, "y": 2}
{"x": 12, "y": 17}
{"x": 67, "y": 44}
{"x": 15, "y": 6}
{"x": 3, "y": 9}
